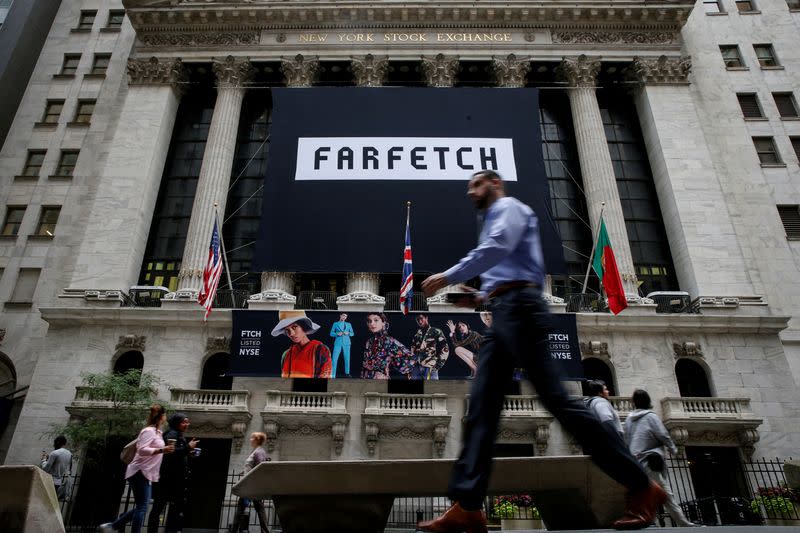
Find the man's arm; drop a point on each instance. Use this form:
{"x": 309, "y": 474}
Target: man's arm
{"x": 662, "y": 434}
{"x": 500, "y": 239}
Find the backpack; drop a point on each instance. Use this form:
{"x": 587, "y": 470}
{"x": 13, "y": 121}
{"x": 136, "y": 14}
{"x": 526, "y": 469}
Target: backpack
{"x": 128, "y": 452}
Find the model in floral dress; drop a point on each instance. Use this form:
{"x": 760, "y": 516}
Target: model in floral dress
{"x": 383, "y": 352}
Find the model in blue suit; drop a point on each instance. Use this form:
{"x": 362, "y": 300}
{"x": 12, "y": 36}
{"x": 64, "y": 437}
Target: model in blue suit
{"x": 341, "y": 331}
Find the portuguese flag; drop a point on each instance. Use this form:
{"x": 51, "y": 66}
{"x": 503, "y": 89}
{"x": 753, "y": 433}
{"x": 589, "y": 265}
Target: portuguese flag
{"x": 605, "y": 265}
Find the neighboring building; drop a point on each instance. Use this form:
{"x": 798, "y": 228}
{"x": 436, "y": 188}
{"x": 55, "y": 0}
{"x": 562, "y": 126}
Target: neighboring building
{"x": 24, "y": 26}
{"x": 134, "y": 103}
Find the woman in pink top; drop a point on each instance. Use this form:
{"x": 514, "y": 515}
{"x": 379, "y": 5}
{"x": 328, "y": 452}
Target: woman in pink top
{"x": 143, "y": 471}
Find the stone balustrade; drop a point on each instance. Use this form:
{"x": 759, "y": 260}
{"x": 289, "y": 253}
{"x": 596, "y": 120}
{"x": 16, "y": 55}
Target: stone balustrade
{"x": 523, "y": 419}
{"x": 214, "y": 413}
{"x": 405, "y": 416}
{"x": 210, "y": 399}
{"x": 406, "y": 404}
{"x": 302, "y": 412}
{"x": 711, "y": 422}
{"x": 622, "y": 405}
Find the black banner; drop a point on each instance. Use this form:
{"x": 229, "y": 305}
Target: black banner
{"x": 345, "y": 160}
{"x": 332, "y": 344}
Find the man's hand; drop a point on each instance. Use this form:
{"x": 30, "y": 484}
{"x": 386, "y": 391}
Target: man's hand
{"x": 434, "y": 283}
{"x": 193, "y": 443}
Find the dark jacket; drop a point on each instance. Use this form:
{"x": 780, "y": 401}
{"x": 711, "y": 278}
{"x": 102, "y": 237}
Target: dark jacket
{"x": 175, "y": 466}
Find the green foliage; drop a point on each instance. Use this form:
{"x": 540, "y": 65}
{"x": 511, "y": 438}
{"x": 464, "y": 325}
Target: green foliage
{"x": 776, "y": 501}
{"x": 505, "y": 510}
{"x": 118, "y": 405}
{"x": 515, "y": 506}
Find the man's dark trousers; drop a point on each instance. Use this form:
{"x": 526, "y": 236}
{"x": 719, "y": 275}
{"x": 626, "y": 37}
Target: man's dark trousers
{"x": 519, "y": 338}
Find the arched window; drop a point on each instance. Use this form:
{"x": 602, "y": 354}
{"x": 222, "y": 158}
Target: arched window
{"x": 214, "y": 370}
{"x": 132, "y": 360}
{"x": 594, "y": 368}
{"x": 8, "y": 377}
{"x": 692, "y": 379}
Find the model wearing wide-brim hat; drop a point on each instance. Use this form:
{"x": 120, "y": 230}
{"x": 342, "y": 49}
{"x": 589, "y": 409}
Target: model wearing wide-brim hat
{"x": 287, "y": 318}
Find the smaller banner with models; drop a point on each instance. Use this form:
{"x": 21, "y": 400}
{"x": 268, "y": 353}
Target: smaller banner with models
{"x": 333, "y": 345}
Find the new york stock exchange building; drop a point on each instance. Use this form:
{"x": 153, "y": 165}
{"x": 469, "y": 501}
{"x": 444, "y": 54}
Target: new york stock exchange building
{"x": 305, "y": 127}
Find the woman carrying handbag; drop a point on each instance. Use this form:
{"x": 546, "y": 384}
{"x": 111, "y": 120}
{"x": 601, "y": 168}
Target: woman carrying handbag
{"x": 143, "y": 471}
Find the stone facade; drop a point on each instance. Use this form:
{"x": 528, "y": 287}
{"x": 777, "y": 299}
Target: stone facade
{"x": 718, "y": 204}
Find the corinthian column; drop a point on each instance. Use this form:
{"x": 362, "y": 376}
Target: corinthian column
{"x": 440, "y": 70}
{"x": 511, "y": 71}
{"x": 599, "y": 181}
{"x": 109, "y": 260}
{"x": 300, "y": 71}
{"x": 215, "y": 173}
{"x": 370, "y": 71}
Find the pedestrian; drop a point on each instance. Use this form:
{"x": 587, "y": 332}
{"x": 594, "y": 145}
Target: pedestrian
{"x": 172, "y": 478}
{"x": 142, "y": 471}
{"x": 510, "y": 262}
{"x": 646, "y": 437}
{"x": 58, "y": 464}
{"x": 258, "y": 456}
{"x": 598, "y": 403}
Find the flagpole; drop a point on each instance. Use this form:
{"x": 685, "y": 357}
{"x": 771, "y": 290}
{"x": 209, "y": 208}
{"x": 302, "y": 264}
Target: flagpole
{"x": 222, "y": 245}
{"x": 594, "y": 246}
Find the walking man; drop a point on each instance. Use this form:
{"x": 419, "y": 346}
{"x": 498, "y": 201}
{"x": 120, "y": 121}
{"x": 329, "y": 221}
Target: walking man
{"x": 510, "y": 262}
{"x": 58, "y": 464}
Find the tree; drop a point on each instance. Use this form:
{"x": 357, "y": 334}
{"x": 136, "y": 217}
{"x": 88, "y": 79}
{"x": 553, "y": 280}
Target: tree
{"x": 114, "y": 408}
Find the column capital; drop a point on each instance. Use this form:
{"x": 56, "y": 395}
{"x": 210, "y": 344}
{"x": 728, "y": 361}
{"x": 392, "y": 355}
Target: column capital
{"x": 662, "y": 70}
{"x": 300, "y": 71}
{"x": 232, "y": 72}
{"x": 579, "y": 71}
{"x": 155, "y": 71}
{"x": 370, "y": 71}
{"x": 440, "y": 70}
{"x": 510, "y": 71}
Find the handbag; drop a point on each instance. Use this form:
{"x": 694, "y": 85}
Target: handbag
{"x": 128, "y": 452}
{"x": 654, "y": 462}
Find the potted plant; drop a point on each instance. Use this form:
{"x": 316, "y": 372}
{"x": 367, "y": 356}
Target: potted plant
{"x": 517, "y": 512}
{"x": 776, "y": 505}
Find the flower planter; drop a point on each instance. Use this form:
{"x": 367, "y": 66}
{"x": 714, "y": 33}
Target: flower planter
{"x": 517, "y": 524}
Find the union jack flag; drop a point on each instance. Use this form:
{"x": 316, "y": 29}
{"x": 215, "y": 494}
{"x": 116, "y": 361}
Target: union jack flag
{"x": 211, "y": 274}
{"x": 406, "y": 288}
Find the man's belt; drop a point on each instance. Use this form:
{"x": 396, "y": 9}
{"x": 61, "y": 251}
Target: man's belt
{"x": 510, "y": 286}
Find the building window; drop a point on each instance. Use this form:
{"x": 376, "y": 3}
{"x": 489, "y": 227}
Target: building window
{"x": 787, "y": 107}
{"x": 745, "y": 6}
{"x": 766, "y": 55}
{"x": 712, "y": 6}
{"x": 52, "y": 111}
{"x": 70, "y": 64}
{"x": 793, "y": 4}
{"x": 164, "y": 251}
{"x": 100, "y": 64}
{"x": 86, "y": 20}
{"x": 83, "y": 113}
{"x": 26, "y": 286}
{"x": 33, "y": 164}
{"x": 214, "y": 373}
{"x": 749, "y": 104}
{"x": 790, "y": 217}
{"x": 48, "y": 220}
{"x": 66, "y": 164}
{"x": 692, "y": 379}
{"x": 594, "y": 368}
{"x": 132, "y": 360}
{"x": 731, "y": 56}
{"x": 766, "y": 150}
{"x": 115, "y": 18}
{"x": 13, "y": 220}
{"x": 796, "y": 146}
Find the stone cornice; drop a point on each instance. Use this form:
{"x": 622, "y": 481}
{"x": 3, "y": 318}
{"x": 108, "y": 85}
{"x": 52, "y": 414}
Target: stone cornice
{"x": 660, "y": 71}
{"x": 588, "y": 323}
{"x": 232, "y": 73}
{"x": 370, "y": 71}
{"x": 154, "y": 71}
{"x": 159, "y": 15}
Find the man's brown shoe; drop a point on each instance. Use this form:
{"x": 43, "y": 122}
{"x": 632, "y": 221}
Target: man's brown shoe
{"x": 642, "y": 507}
{"x": 456, "y": 520}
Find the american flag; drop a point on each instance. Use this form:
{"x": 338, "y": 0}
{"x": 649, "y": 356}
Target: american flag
{"x": 406, "y": 288}
{"x": 211, "y": 273}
